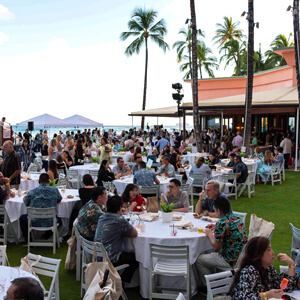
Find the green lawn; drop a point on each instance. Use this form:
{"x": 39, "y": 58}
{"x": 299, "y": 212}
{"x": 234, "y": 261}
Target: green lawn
{"x": 278, "y": 204}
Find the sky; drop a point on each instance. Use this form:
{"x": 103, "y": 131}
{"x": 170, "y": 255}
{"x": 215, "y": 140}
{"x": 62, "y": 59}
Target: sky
{"x": 65, "y": 57}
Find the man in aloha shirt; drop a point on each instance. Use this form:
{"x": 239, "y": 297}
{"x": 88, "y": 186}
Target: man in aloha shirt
{"x": 90, "y": 213}
{"x": 166, "y": 169}
{"x": 228, "y": 241}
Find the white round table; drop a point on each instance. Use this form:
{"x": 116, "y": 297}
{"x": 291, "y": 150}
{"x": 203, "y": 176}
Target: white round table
{"x": 29, "y": 184}
{"x": 192, "y": 157}
{"x": 7, "y": 275}
{"x": 15, "y": 207}
{"x": 122, "y": 183}
{"x": 84, "y": 169}
{"x": 158, "y": 232}
{"x": 247, "y": 161}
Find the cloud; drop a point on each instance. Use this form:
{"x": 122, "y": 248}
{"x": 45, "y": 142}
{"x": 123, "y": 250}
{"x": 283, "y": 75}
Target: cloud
{"x": 3, "y": 38}
{"x": 5, "y": 14}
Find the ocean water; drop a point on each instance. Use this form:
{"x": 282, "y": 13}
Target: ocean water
{"x": 52, "y": 130}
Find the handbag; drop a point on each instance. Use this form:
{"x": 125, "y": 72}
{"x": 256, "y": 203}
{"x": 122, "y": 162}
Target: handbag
{"x": 71, "y": 253}
{"x": 95, "y": 278}
{"x": 152, "y": 204}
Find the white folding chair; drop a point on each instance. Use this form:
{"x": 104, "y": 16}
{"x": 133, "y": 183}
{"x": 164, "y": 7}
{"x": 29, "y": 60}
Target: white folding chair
{"x": 241, "y": 215}
{"x": 179, "y": 177}
{"x": 169, "y": 261}
{"x": 190, "y": 182}
{"x": 131, "y": 164}
{"x": 249, "y": 185}
{"x": 3, "y": 256}
{"x": 295, "y": 248}
{"x": 198, "y": 182}
{"x": 32, "y": 168}
{"x": 149, "y": 190}
{"x": 94, "y": 174}
{"x": 187, "y": 188}
{"x": 274, "y": 174}
{"x": 230, "y": 182}
{"x": 87, "y": 254}
{"x": 5, "y": 224}
{"x": 250, "y": 168}
{"x": 42, "y": 214}
{"x": 78, "y": 251}
{"x": 73, "y": 179}
{"x": 180, "y": 297}
{"x": 218, "y": 283}
{"x": 48, "y": 267}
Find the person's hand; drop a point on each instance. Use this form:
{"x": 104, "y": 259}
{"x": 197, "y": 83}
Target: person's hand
{"x": 124, "y": 211}
{"x": 201, "y": 195}
{"x": 285, "y": 258}
{"x": 30, "y": 154}
{"x": 162, "y": 198}
{"x": 208, "y": 232}
{"x": 126, "y": 166}
{"x": 275, "y": 293}
{"x": 167, "y": 193}
{"x": 211, "y": 226}
{"x": 5, "y": 180}
{"x": 133, "y": 205}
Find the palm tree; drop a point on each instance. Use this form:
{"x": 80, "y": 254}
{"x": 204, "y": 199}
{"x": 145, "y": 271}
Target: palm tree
{"x": 234, "y": 51}
{"x": 142, "y": 26}
{"x": 227, "y": 32}
{"x": 280, "y": 41}
{"x": 203, "y": 61}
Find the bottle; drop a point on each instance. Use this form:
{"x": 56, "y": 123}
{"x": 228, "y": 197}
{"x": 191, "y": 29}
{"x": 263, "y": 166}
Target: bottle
{"x": 19, "y": 191}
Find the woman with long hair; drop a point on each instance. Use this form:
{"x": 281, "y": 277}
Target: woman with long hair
{"x": 132, "y": 200}
{"x": 79, "y": 150}
{"x": 67, "y": 159}
{"x": 86, "y": 191}
{"x": 105, "y": 150}
{"x": 256, "y": 277}
{"x": 201, "y": 168}
{"x": 25, "y": 154}
{"x": 52, "y": 170}
{"x": 257, "y": 155}
{"x": 105, "y": 173}
{"x": 264, "y": 167}
{"x": 52, "y": 150}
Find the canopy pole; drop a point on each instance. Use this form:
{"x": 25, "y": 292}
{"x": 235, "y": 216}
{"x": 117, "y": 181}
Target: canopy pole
{"x": 132, "y": 121}
{"x": 184, "y": 137}
{"x": 297, "y": 137}
{"x": 156, "y": 120}
{"x": 222, "y": 125}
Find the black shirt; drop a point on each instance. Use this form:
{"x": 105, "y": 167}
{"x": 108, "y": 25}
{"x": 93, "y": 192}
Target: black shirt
{"x": 241, "y": 168}
{"x": 11, "y": 164}
{"x": 85, "y": 195}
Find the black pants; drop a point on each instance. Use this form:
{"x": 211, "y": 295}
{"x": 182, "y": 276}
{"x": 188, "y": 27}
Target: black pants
{"x": 127, "y": 258}
{"x": 24, "y": 227}
{"x": 286, "y": 160}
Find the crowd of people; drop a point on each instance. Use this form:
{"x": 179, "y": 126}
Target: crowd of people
{"x": 99, "y": 217}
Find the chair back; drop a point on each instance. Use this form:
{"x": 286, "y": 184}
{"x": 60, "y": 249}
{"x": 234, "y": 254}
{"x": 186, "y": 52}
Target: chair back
{"x": 131, "y": 164}
{"x": 94, "y": 174}
{"x": 48, "y": 267}
{"x": 179, "y": 177}
{"x": 73, "y": 178}
{"x": 155, "y": 165}
{"x": 241, "y": 215}
{"x": 227, "y": 177}
{"x": 3, "y": 224}
{"x": 198, "y": 179}
{"x": 32, "y": 168}
{"x": 295, "y": 248}
{"x": 250, "y": 168}
{"x": 149, "y": 190}
{"x": 61, "y": 171}
{"x": 41, "y": 213}
{"x": 218, "y": 283}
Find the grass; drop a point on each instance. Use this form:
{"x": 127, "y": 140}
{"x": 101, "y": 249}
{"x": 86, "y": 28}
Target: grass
{"x": 278, "y": 204}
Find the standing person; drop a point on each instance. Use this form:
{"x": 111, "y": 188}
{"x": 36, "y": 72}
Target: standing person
{"x": 238, "y": 140}
{"x": 11, "y": 167}
{"x": 228, "y": 240}
{"x": 256, "y": 278}
{"x": 39, "y": 141}
{"x": 25, "y": 154}
{"x": 111, "y": 230}
{"x": 27, "y": 136}
{"x": 52, "y": 150}
{"x": 105, "y": 150}
{"x": 286, "y": 144}
{"x": 162, "y": 143}
{"x": 79, "y": 150}
{"x": 205, "y": 141}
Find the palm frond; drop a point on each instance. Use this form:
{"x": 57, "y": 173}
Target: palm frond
{"x": 135, "y": 46}
{"x": 160, "y": 42}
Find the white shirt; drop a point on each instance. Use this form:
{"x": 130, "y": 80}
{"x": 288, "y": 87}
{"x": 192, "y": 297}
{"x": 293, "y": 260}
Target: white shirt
{"x": 127, "y": 157}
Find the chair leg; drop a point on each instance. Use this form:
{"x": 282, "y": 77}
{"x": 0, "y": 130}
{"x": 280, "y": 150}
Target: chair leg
{"x": 123, "y": 295}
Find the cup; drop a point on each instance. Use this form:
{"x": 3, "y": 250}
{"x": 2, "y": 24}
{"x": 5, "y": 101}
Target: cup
{"x": 173, "y": 231}
{"x": 143, "y": 227}
{"x": 200, "y": 230}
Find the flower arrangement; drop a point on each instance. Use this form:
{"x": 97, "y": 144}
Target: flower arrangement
{"x": 52, "y": 182}
{"x": 144, "y": 153}
{"x": 95, "y": 159}
{"x": 207, "y": 162}
{"x": 167, "y": 208}
{"x": 242, "y": 154}
{"x": 189, "y": 149}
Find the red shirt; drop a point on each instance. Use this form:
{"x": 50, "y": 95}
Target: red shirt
{"x": 139, "y": 200}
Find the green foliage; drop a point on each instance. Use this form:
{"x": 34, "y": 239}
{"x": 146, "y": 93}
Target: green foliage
{"x": 144, "y": 153}
{"x": 189, "y": 149}
{"x": 122, "y": 149}
{"x": 95, "y": 159}
{"x": 207, "y": 162}
{"x": 52, "y": 182}
{"x": 167, "y": 208}
{"x": 242, "y": 154}
{"x": 147, "y": 168}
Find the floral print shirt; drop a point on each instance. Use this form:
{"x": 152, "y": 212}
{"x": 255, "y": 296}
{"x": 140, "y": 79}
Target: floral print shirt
{"x": 230, "y": 230}
{"x": 88, "y": 218}
{"x": 250, "y": 284}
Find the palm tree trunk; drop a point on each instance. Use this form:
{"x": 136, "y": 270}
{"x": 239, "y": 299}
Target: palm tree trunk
{"x": 145, "y": 83}
{"x": 249, "y": 89}
{"x": 190, "y": 60}
{"x": 195, "y": 76}
{"x": 296, "y": 42}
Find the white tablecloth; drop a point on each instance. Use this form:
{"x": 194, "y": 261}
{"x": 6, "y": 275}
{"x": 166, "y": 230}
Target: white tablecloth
{"x": 122, "y": 183}
{"x": 159, "y": 233}
{"x": 15, "y": 207}
{"x": 247, "y": 161}
{"x": 29, "y": 184}
{"x": 84, "y": 169}
{"x": 7, "y": 274}
{"x": 192, "y": 157}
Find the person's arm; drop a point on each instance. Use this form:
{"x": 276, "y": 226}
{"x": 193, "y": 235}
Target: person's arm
{"x": 216, "y": 244}
{"x": 14, "y": 175}
{"x": 292, "y": 267}
{"x": 69, "y": 163}
{"x": 7, "y": 188}
{"x": 183, "y": 209}
{"x": 133, "y": 233}
{"x": 50, "y": 149}
{"x": 51, "y": 175}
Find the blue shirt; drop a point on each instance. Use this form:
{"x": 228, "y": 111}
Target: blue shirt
{"x": 204, "y": 169}
{"x": 134, "y": 169}
{"x": 144, "y": 178}
{"x": 110, "y": 231}
{"x": 43, "y": 196}
{"x": 162, "y": 143}
{"x": 169, "y": 169}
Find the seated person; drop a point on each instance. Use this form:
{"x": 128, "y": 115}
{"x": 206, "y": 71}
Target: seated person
{"x": 241, "y": 170}
{"x": 67, "y": 159}
{"x": 128, "y": 155}
{"x": 137, "y": 158}
{"x": 61, "y": 164}
{"x": 264, "y": 167}
{"x": 279, "y": 159}
{"x": 132, "y": 201}
{"x": 217, "y": 151}
{"x": 43, "y": 196}
{"x": 121, "y": 169}
{"x": 145, "y": 177}
{"x": 177, "y": 196}
{"x": 256, "y": 278}
{"x": 153, "y": 156}
{"x": 231, "y": 164}
{"x": 213, "y": 159}
{"x": 257, "y": 155}
{"x": 111, "y": 230}
{"x": 90, "y": 213}
{"x": 201, "y": 168}
{"x": 183, "y": 149}
{"x": 105, "y": 173}
{"x": 228, "y": 240}
{"x": 235, "y": 150}
{"x": 166, "y": 169}
{"x": 52, "y": 171}
{"x": 5, "y": 193}
{"x": 86, "y": 191}
{"x": 25, "y": 288}
{"x": 205, "y": 205}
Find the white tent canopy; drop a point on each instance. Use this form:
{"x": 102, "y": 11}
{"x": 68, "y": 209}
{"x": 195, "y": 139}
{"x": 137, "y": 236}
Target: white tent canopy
{"x": 80, "y": 121}
{"x": 46, "y": 120}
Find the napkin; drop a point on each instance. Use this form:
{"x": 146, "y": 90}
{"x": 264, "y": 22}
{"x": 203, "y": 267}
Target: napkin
{"x": 177, "y": 217}
{"x": 149, "y": 217}
{"x": 209, "y": 219}
{"x": 183, "y": 224}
